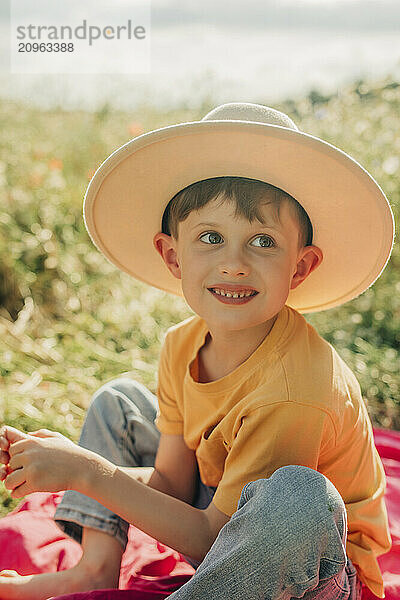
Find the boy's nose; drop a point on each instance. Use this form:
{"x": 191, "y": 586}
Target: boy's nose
{"x": 234, "y": 267}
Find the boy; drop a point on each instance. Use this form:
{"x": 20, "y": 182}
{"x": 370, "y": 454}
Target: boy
{"x": 266, "y": 451}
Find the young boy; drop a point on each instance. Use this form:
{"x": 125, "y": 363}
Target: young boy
{"x": 257, "y": 460}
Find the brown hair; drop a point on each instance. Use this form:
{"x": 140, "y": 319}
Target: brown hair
{"x": 248, "y": 195}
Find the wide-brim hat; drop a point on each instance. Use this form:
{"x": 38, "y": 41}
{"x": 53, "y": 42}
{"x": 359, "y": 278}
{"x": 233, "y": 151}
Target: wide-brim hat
{"x": 351, "y": 216}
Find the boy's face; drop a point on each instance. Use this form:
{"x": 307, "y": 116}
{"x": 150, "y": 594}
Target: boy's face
{"x": 218, "y": 254}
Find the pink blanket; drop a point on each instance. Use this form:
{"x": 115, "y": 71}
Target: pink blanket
{"x": 30, "y": 542}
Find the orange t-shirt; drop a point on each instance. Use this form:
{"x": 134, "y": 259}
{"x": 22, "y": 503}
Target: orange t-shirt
{"x": 293, "y": 401}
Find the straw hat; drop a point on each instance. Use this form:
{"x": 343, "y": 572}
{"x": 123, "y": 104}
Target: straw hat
{"x": 351, "y": 216}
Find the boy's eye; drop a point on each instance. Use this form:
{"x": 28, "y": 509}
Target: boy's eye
{"x": 264, "y": 241}
{"x": 213, "y": 236}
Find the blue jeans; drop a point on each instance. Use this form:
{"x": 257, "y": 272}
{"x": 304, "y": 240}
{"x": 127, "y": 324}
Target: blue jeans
{"x": 286, "y": 539}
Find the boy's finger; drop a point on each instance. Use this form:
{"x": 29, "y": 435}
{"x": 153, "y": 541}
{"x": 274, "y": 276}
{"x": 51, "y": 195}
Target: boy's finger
{"x": 16, "y": 462}
{"x": 4, "y": 443}
{"x": 20, "y": 491}
{"x": 18, "y": 447}
{"x": 4, "y": 457}
{"x": 14, "y": 479}
{"x": 3, "y": 472}
{"x": 12, "y": 435}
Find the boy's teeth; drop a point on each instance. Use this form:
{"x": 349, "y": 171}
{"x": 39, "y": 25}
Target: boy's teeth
{"x": 232, "y": 294}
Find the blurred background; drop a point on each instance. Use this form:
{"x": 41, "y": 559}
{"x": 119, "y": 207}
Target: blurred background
{"x": 69, "y": 321}
{"x": 230, "y": 50}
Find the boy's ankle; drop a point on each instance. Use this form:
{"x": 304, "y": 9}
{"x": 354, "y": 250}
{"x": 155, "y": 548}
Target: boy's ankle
{"x": 99, "y": 576}
{"x": 101, "y": 558}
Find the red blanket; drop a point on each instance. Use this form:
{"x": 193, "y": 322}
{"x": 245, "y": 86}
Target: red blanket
{"x": 30, "y": 542}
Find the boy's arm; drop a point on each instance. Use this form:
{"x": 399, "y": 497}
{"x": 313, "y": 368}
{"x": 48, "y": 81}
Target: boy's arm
{"x": 169, "y": 520}
{"x": 176, "y": 475}
{"x": 175, "y": 470}
{"x": 54, "y": 464}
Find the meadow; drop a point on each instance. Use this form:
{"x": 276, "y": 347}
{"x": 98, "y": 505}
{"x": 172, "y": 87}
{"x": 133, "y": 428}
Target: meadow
{"x": 70, "y": 321}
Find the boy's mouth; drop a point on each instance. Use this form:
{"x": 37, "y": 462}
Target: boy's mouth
{"x": 228, "y": 296}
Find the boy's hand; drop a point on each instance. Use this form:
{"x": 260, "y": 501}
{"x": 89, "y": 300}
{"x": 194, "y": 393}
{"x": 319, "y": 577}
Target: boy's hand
{"x": 43, "y": 461}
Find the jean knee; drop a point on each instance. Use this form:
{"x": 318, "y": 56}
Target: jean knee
{"x": 120, "y": 422}
{"x": 111, "y": 394}
{"x": 313, "y": 494}
{"x": 301, "y": 506}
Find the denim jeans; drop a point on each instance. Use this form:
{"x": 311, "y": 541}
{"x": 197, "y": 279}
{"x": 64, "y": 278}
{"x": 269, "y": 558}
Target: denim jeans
{"x": 286, "y": 539}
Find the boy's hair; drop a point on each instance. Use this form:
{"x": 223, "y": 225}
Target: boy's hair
{"x": 248, "y": 195}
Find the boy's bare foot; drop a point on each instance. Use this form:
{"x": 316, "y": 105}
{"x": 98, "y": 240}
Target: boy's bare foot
{"x": 46, "y": 585}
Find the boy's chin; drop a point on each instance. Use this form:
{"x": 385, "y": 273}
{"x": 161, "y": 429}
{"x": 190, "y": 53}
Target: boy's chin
{"x": 236, "y": 322}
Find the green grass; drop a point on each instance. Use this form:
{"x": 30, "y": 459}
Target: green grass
{"x": 69, "y": 321}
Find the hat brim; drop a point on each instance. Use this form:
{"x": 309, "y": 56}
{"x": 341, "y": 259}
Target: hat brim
{"x": 351, "y": 217}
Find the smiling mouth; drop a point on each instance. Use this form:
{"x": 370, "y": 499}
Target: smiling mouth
{"x": 233, "y": 298}
{"x": 227, "y": 294}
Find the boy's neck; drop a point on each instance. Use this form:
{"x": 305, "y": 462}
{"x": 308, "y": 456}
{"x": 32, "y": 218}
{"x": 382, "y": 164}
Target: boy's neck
{"x": 224, "y": 351}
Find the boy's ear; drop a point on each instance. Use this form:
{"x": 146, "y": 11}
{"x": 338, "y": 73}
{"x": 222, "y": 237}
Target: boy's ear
{"x": 310, "y": 257}
{"x": 166, "y": 247}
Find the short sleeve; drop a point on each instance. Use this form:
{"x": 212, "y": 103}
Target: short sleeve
{"x": 169, "y": 418}
{"x": 270, "y": 437}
